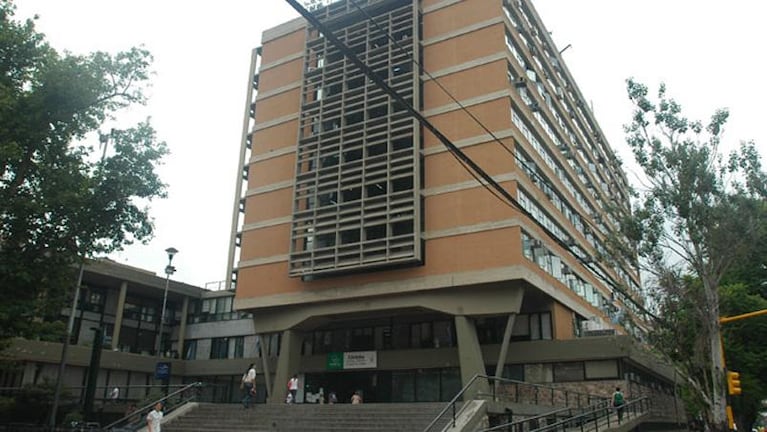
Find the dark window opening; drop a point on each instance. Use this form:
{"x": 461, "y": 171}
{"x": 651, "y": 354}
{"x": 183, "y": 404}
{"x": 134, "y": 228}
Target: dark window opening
{"x": 355, "y": 83}
{"x": 351, "y": 194}
{"x": 403, "y": 34}
{"x": 329, "y": 198}
{"x": 350, "y": 236}
{"x": 564, "y": 372}
{"x": 377, "y": 149}
{"x": 335, "y": 56}
{"x": 354, "y": 118}
{"x": 329, "y": 161}
{"x": 378, "y": 112}
{"x": 335, "y": 89}
{"x": 378, "y": 42}
{"x": 402, "y": 228}
{"x": 402, "y": 143}
{"x": 401, "y": 69}
{"x": 402, "y": 184}
{"x": 377, "y": 189}
{"x": 352, "y": 155}
{"x": 326, "y": 240}
{"x": 375, "y": 232}
{"x": 331, "y": 125}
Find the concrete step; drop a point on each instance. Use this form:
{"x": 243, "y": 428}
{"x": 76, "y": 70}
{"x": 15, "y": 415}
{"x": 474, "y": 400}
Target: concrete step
{"x": 402, "y": 417}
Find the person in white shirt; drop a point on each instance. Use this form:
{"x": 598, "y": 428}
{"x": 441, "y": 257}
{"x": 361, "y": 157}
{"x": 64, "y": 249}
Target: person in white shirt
{"x": 154, "y": 418}
{"x": 293, "y": 388}
{"x": 249, "y": 385}
{"x": 114, "y": 395}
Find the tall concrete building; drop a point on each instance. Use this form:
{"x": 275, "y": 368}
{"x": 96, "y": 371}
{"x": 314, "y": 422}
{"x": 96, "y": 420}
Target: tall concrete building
{"x": 378, "y": 260}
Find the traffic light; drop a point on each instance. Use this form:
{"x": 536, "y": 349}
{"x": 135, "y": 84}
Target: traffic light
{"x": 733, "y": 383}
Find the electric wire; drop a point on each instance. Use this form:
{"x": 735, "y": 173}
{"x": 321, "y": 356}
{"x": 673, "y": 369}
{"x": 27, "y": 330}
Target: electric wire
{"x": 467, "y": 163}
{"x": 597, "y": 272}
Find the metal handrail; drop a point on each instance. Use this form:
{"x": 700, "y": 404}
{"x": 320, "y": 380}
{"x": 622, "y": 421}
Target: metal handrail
{"x": 496, "y": 380}
{"x": 150, "y": 405}
{"x": 600, "y": 411}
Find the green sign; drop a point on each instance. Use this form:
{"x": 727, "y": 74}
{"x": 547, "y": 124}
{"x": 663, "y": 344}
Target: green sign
{"x": 335, "y": 361}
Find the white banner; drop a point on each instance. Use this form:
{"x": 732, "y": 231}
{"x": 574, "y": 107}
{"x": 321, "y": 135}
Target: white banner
{"x": 360, "y": 360}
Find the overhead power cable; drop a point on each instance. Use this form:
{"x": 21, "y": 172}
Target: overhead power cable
{"x": 597, "y": 272}
{"x": 472, "y": 167}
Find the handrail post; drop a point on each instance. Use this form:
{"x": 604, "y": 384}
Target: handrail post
{"x": 454, "y": 414}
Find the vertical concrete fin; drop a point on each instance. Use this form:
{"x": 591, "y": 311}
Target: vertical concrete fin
{"x": 119, "y": 314}
{"x": 505, "y": 345}
{"x": 287, "y": 364}
{"x": 469, "y": 355}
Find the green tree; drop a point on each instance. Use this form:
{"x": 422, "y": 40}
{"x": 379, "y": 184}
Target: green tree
{"x": 746, "y": 350}
{"x": 61, "y": 200}
{"x": 695, "y": 215}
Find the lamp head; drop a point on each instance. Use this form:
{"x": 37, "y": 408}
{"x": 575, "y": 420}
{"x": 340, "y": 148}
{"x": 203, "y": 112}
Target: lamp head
{"x": 171, "y": 252}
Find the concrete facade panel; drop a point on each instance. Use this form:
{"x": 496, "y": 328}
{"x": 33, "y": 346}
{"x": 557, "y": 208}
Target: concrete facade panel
{"x": 456, "y": 125}
{"x": 265, "y": 242}
{"x": 278, "y": 105}
{"x": 275, "y": 137}
{"x": 230, "y": 328}
{"x": 465, "y": 84}
{"x": 465, "y": 207}
{"x": 274, "y": 170}
{"x": 562, "y": 318}
{"x": 281, "y": 75}
{"x": 458, "y": 15}
{"x": 443, "y": 169}
{"x": 468, "y": 252}
{"x": 464, "y": 48}
{"x": 269, "y": 205}
{"x": 284, "y": 46}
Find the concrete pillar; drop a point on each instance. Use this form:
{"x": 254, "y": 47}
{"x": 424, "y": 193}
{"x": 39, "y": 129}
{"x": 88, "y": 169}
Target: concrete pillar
{"x": 182, "y": 328}
{"x": 119, "y": 314}
{"x": 287, "y": 365}
{"x": 261, "y": 351}
{"x": 505, "y": 346}
{"x": 470, "y": 356}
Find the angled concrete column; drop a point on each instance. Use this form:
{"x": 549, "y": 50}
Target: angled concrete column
{"x": 505, "y": 346}
{"x": 182, "y": 328}
{"x": 119, "y": 314}
{"x": 287, "y": 364}
{"x": 261, "y": 351}
{"x": 470, "y": 356}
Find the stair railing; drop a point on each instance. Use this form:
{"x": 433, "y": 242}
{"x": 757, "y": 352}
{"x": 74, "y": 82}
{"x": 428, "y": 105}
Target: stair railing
{"x": 184, "y": 395}
{"x": 601, "y": 416}
{"x": 517, "y": 392}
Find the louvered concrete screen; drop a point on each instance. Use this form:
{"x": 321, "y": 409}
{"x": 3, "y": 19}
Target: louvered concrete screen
{"x": 357, "y": 198}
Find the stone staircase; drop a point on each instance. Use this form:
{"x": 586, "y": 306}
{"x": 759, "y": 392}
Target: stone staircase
{"x": 394, "y": 417}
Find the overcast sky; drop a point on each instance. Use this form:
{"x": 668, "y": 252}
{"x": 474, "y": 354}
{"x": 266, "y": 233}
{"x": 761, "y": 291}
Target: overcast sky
{"x": 709, "y": 53}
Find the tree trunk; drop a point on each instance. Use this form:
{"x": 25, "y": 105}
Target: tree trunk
{"x": 718, "y": 390}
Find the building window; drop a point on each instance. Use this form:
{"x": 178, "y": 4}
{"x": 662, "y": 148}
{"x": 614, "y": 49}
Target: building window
{"x": 191, "y": 350}
{"x": 564, "y": 372}
{"x": 540, "y": 326}
{"x": 219, "y": 348}
{"x": 238, "y": 346}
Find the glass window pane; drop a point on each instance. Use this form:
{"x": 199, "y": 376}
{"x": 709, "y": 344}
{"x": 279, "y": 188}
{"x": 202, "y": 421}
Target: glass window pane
{"x": 451, "y": 383}
{"x": 535, "y": 327}
{"x": 546, "y": 325}
{"x": 427, "y": 389}
{"x": 564, "y": 372}
{"x": 403, "y": 386}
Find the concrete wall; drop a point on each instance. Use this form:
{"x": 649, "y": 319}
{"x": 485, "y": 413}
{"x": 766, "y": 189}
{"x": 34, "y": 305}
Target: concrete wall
{"x": 215, "y": 329}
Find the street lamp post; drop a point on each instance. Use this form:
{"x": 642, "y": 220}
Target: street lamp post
{"x": 169, "y": 270}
